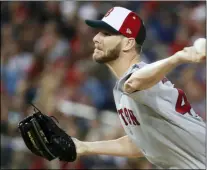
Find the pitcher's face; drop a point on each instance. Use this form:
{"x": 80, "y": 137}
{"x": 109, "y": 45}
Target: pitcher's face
{"x": 107, "y": 47}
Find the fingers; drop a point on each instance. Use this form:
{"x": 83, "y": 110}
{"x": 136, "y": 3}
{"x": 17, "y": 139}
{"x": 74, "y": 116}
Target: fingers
{"x": 190, "y": 50}
{"x": 194, "y": 55}
{"x": 186, "y": 49}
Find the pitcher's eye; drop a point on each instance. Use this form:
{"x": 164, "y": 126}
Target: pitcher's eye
{"x": 106, "y": 33}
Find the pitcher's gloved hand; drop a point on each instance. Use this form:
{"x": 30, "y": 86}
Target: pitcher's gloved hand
{"x": 44, "y": 138}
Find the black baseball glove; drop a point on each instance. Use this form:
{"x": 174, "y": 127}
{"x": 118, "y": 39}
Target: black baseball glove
{"x": 44, "y": 138}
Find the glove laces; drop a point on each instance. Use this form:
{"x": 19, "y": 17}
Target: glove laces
{"x": 37, "y": 110}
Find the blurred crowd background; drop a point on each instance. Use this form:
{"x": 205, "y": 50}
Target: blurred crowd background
{"x": 46, "y": 53}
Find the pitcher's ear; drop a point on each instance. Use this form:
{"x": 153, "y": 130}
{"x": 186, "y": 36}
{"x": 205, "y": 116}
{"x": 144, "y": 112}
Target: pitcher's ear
{"x": 128, "y": 44}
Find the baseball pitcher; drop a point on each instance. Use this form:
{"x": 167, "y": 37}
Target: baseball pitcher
{"x": 159, "y": 122}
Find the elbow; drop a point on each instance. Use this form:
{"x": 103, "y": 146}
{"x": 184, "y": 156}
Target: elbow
{"x": 133, "y": 85}
{"x": 136, "y": 84}
{"x": 129, "y": 148}
{"x": 138, "y": 155}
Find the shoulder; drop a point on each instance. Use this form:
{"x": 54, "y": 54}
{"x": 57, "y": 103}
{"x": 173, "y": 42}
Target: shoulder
{"x": 130, "y": 72}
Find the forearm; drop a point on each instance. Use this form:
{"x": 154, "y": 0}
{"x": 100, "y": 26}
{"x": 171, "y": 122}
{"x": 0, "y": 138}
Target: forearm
{"x": 119, "y": 147}
{"x": 151, "y": 74}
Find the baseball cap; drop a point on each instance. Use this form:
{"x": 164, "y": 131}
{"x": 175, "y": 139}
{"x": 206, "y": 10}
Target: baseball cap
{"x": 123, "y": 21}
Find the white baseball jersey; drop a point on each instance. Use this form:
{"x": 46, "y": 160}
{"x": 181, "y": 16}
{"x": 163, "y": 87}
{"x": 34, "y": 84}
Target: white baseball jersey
{"x": 161, "y": 122}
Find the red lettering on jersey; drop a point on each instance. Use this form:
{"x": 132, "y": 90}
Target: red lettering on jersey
{"x": 127, "y": 116}
{"x": 185, "y": 107}
{"x": 133, "y": 118}
{"x": 120, "y": 111}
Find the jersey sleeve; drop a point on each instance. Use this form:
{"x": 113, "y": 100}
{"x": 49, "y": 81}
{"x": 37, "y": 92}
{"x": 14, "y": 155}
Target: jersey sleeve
{"x": 166, "y": 100}
{"x": 161, "y": 97}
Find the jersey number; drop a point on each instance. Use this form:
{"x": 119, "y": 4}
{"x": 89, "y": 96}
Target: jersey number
{"x": 182, "y": 106}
